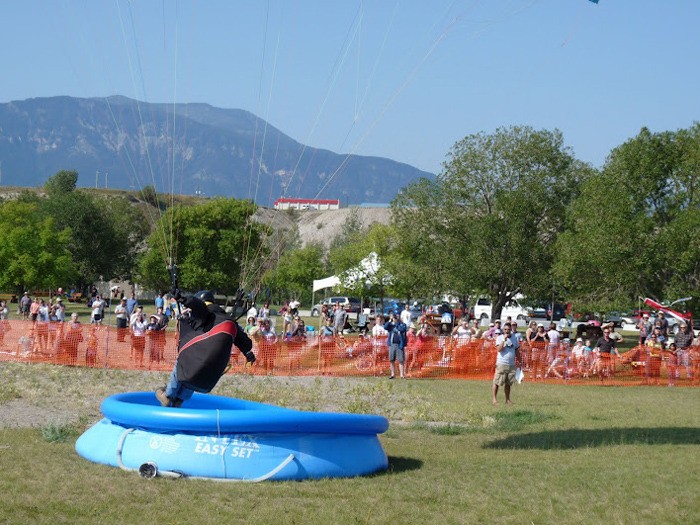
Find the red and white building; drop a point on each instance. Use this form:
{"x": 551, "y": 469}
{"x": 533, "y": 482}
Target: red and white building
{"x": 307, "y": 204}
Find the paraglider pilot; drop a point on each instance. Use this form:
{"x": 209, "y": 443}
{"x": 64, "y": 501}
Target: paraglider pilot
{"x": 207, "y": 334}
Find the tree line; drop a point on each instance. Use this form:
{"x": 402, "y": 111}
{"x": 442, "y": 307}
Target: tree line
{"x": 72, "y": 238}
{"x": 512, "y": 212}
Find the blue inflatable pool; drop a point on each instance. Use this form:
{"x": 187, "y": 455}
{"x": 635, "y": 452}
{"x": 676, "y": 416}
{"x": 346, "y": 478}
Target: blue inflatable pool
{"x": 230, "y": 439}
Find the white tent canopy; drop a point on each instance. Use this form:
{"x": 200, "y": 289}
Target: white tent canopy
{"x": 328, "y": 282}
{"x": 320, "y": 284}
{"x": 367, "y": 267}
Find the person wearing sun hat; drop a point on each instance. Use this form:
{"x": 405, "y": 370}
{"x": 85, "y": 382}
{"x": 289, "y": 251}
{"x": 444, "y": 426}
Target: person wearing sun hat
{"x": 617, "y": 336}
{"x": 59, "y": 310}
{"x": 577, "y": 354}
{"x": 24, "y": 304}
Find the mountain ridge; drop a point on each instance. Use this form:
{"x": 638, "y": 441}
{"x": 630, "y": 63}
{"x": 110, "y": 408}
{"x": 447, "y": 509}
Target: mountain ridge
{"x": 189, "y": 148}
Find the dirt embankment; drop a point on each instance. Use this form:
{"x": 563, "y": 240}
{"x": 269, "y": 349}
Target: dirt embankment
{"x": 322, "y": 226}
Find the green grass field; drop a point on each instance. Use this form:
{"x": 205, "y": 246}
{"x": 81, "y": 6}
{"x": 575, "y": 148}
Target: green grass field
{"x": 559, "y": 455}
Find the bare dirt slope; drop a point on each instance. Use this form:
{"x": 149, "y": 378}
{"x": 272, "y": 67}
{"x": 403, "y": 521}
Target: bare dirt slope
{"x": 322, "y": 226}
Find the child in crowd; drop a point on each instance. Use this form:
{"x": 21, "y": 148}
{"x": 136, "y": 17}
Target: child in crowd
{"x": 672, "y": 364}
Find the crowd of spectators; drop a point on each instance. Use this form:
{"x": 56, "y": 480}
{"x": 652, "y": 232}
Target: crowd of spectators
{"x": 52, "y": 334}
{"x": 655, "y": 338}
{"x": 407, "y": 341}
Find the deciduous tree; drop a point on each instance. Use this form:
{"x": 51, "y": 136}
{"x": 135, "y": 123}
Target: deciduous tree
{"x": 493, "y": 214}
{"x": 361, "y": 263}
{"x": 633, "y": 231}
{"x": 295, "y": 273}
{"x": 216, "y": 245}
{"x": 105, "y": 232}
{"x": 33, "y": 253}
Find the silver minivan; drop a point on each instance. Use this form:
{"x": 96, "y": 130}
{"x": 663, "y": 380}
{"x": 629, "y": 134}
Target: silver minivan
{"x": 351, "y": 304}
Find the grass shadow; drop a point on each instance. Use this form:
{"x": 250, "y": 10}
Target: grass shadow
{"x": 401, "y": 464}
{"x": 583, "y": 438}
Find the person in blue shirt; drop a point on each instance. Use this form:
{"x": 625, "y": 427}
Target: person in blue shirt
{"x": 396, "y": 340}
{"x": 131, "y": 304}
{"x": 159, "y": 301}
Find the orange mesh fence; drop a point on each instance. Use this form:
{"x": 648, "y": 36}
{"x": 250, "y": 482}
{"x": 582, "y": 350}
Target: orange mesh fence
{"x": 436, "y": 357}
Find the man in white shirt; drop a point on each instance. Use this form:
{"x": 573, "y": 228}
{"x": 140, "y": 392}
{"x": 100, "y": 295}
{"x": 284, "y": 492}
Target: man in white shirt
{"x": 406, "y": 315}
{"x": 122, "y": 317}
{"x": 98, "y": 310}
{"x": 507, "y": 352}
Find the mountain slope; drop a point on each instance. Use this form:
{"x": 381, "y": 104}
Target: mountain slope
{"x": 182, "y": 148}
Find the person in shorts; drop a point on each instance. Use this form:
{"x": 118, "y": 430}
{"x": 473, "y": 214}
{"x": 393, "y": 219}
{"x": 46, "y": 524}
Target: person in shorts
{"x": 24, "y": 303}
{"x": 396, "y": 341}
{"x": 98, "y": 310}
{"x": 507, "y": 353}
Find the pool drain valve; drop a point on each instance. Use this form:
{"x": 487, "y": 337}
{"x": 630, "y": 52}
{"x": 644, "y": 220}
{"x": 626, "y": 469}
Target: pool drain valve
{"x": 148, "y": 470}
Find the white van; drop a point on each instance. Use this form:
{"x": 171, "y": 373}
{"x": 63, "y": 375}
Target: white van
{"x": 513, "y": 309}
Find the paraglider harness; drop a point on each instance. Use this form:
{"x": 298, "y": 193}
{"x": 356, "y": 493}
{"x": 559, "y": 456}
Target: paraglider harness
{"x": 207, "y": 334}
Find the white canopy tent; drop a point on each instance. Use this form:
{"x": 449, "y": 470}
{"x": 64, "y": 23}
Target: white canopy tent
{"x": 321, "y": 284}
{"x": 367, "y": 267}
{"x": 328, "y": 282}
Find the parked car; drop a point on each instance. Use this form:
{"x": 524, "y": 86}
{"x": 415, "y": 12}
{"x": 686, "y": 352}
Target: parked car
{"x": 483, "y": 310}
{"x": 398, "y": 307}
{"x": 616, "y": 318}
{"x": 391, "y": 305}
{"x": 548, "y": 312}
{"x": 352, "y": 304}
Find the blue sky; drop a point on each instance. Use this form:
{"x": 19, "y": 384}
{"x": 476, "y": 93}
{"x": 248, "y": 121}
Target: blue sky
{"x": 398, "y": 79}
